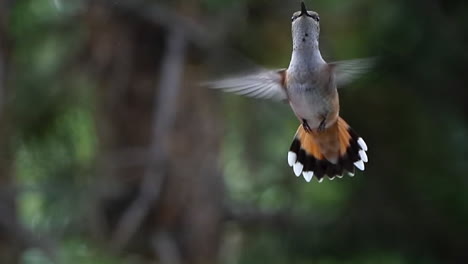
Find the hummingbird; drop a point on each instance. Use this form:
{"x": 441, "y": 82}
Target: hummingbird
{"x": 324, "y": 144}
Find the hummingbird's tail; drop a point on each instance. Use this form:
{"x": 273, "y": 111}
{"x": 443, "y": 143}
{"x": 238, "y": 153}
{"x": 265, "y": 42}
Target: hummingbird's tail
{"x": 330, "y": 152}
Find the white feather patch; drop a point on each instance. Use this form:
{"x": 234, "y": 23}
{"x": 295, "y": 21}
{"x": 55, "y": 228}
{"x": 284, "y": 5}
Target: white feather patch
{"x": 363, "y": 155}
{"x": 292, "y": 157}
{"x": 361, "y": 143}
{"x": 321, "y": 179}
{"x": 339, "y": 176}
{"x": 298, "y": 168}
{"x": 359, "y": 164}
{"x": 308, "y": 175}
{"x": 351, "y": 174}
{"x": 332, "y": 178}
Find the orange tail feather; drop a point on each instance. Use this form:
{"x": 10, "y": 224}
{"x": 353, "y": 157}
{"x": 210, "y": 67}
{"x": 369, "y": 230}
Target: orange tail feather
{"x": 330, "y": 152}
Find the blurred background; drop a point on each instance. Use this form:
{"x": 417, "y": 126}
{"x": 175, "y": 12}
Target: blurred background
{"x": 110, "y": 151}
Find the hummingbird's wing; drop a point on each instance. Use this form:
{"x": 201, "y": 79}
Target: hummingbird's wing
{"x": 350, "y": 70}
{"x": 264, "y": 84}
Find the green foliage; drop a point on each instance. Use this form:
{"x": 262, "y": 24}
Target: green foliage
{"x": 410, "y": 206}
{"x": 75, "y": 251}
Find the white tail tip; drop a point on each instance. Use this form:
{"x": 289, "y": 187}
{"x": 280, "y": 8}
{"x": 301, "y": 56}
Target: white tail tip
{"x": 292, "y": 157}
{"x": 308, "y": 175}
{"x": 363, "y": 156}
{"x": 359, "y": 165}
{"x": 361, "y": 143}
{"x": 298, "y": 168}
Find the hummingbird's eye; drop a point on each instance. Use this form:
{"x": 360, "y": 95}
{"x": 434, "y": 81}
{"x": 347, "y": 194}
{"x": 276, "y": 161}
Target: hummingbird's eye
{"x": 293, "y": 18}
{"x": 316, "y": 18}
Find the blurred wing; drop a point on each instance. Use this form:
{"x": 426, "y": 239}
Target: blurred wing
{"x": 350, "y": 70}
{"x": 264, "y": 84}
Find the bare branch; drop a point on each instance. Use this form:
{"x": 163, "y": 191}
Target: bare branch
{"x": 162, "y": 16}
{"x": 166, "y": 248}
{"x": 164, "y": 115}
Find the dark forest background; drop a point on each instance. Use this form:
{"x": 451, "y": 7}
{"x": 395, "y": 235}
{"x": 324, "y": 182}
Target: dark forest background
{"x": 110, "y": 151}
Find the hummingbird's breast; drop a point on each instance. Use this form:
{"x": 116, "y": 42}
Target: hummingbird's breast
{"x": 313, "y": 96}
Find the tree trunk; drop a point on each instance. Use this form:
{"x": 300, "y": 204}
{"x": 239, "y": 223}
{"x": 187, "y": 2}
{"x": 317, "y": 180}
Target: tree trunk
{"x": 162, "y": 190}
{"x": 10, "y": 242}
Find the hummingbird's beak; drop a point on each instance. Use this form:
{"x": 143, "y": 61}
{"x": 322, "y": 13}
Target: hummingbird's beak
{"x": 303, "y": 9}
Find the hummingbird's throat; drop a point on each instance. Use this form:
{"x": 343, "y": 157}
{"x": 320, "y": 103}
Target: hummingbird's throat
{"x": 306, "y": 58}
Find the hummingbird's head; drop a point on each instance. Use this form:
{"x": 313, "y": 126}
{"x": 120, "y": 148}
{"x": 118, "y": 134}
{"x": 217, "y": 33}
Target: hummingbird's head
{"x": 305, "y": 28}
